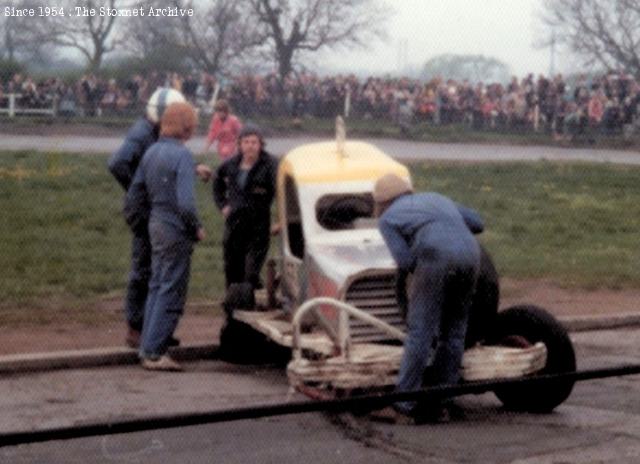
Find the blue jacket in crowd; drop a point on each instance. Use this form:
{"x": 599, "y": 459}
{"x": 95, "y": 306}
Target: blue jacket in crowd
{"x": 165, "y": 179}
{"x": 124, "y": 162}
{"x": 420, "y": 224}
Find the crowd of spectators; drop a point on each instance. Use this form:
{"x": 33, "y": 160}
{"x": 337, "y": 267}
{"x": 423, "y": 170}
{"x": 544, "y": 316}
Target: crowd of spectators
{"x": 94, "y": 96}
{"x": 606, "y": 103}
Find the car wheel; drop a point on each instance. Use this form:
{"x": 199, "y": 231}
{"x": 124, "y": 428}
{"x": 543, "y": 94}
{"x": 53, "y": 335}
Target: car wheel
{"x": 524, "y": 326}
{"x": 242, "y": 344}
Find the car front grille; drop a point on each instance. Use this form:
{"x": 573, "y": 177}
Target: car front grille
{"x": 377, "y": 296}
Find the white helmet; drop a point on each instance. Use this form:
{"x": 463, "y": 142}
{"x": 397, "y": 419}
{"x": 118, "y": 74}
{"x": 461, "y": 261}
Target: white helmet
{"x": 159, "y": 101}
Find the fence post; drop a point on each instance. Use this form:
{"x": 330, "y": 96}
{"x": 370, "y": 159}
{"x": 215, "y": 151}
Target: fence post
{"x": 347, "y": 102}
{"x": 54, "y": 108}
{"x": 12, "y": 105}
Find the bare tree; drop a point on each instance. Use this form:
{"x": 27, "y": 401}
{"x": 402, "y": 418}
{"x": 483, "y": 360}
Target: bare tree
{"x": 8, "y": 49}
{"x": 152, "y": 43}
{"x": 294, "y": 26}
{"x": 221, "y": 37}
{"x": 604, "y": 32}
{"x": 18, "y": 40}
{"x": 146, "y": 35}
{"x": 92, "y": 35}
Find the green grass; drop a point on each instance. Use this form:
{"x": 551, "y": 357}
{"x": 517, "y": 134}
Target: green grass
{"x": 64, "y": 242}
{"x": 574, "y": 223}
{"x": 65, "y": 246}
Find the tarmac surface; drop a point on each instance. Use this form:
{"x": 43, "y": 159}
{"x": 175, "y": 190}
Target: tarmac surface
{"x": 401, "y": 149}
{"x": 600, "y": 422}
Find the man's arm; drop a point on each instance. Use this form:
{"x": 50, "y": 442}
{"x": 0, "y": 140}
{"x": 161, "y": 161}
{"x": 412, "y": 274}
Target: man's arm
{"x": 273, "y": 176}
{"x": 396, "y": 243}
{"x": 472, "y": 218}
{"x": 220, "y": 186}
{"x": 121, "y": 162}
{"x": 213, "y": 133}
{"x": 204, "y": 172}
{"x": 136, "y": 203}
{"x": 124, "y": 162}
{"x": 185, "y": 194}
{"x": 236, "y": 127}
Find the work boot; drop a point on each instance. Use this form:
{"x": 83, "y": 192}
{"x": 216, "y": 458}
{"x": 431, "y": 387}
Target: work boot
{"x": 390, "y": 416}
{"x": 163, "y": 363}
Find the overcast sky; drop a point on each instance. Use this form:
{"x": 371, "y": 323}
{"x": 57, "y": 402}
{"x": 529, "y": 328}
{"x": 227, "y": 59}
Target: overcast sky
{"x": 503, "y": 29}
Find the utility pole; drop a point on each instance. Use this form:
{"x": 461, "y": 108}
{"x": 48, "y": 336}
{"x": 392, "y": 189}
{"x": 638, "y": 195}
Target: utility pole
{"x": 552, "y": 59}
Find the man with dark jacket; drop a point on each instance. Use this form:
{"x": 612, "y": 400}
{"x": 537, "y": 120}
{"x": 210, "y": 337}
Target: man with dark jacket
{"x": 123, "y": 164}
{"x": 243, "y": 190}
{"x": 432, "y": 237}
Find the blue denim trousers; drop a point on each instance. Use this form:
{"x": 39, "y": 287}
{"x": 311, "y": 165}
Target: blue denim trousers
{"x": 170, "y": 267}
{"x": 439, "y": 302}
{"x": 138, "y": 285}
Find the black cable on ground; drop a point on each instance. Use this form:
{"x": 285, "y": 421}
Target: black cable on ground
{"x": 337, "y": 405}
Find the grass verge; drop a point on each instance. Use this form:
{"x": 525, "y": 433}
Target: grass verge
{"x": 65, "y": 247}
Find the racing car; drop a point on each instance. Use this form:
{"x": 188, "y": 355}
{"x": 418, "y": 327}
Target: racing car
{"x": 337, "y": 302}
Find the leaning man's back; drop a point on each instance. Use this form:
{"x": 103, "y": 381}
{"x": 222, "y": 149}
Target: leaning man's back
{"x": 430, "y": 223}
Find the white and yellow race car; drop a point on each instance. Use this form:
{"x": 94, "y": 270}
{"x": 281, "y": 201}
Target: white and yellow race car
{"x": 339, "y": 304}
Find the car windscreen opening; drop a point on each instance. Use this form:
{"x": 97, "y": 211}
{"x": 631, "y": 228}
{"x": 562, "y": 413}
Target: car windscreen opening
{"x": 346, "y": 211}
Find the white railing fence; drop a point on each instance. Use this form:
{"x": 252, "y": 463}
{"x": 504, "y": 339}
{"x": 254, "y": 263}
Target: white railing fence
{"x": 12, "y": 108}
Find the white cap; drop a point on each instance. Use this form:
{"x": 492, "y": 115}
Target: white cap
{"x": 159, "y": 102}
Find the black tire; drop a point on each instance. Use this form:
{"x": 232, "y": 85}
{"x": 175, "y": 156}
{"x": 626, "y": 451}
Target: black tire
{"x": 484, "y": 305}
{"x": 531, "y": 324}
{"x": 242, "y": 344}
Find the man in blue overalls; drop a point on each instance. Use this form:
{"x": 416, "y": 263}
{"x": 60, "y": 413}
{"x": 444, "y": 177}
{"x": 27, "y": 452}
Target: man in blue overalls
{"x": 432, "y": 237}
{"x": 123, "y": 164}
{"x": 165, "y": 181}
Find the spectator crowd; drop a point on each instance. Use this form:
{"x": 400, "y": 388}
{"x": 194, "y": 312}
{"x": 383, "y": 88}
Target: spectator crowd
{"x": 607, "y": 103}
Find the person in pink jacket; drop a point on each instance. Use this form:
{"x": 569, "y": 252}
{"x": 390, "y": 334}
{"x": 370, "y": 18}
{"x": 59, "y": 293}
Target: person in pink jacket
{"x": 224, "y": 128}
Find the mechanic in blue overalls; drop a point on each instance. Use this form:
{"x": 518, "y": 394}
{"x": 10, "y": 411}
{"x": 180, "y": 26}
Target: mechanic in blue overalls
{"x": 165, "y": 180}
{"x": 123, "y": 164}
{"x": 431, "y": 236}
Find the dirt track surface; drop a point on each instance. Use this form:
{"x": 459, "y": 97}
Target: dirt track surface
{"x": 198, "y": 328}
{"x": 565, "y": 302}
{"x": 61, "y": 336}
